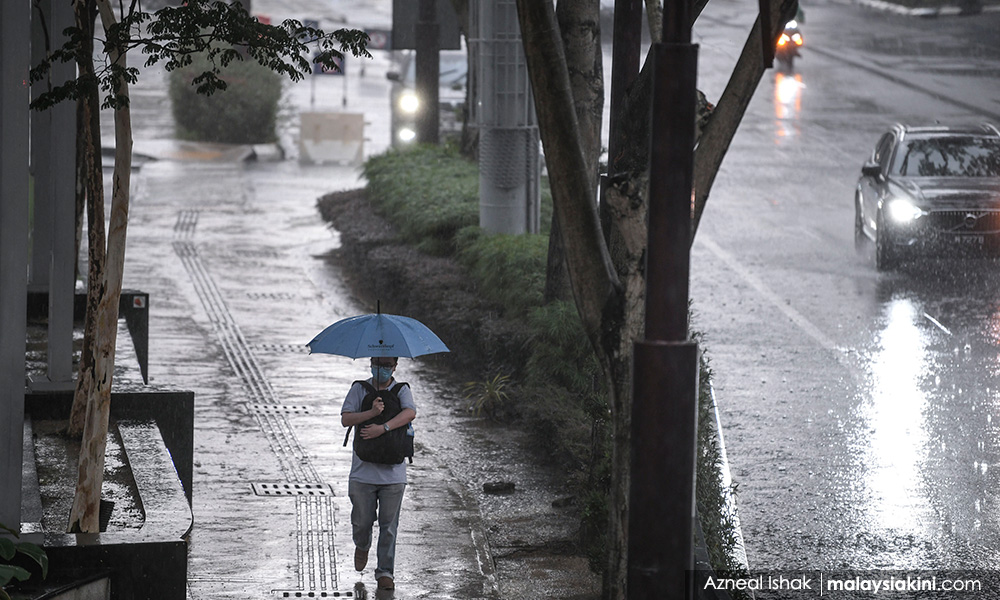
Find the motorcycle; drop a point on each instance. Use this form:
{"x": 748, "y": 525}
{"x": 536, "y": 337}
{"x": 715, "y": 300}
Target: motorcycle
{"x": 789, "y": 43}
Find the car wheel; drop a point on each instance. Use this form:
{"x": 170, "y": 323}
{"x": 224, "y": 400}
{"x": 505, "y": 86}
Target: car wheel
{"x": 885, "y": 255}
{"x": 860, "y": 240}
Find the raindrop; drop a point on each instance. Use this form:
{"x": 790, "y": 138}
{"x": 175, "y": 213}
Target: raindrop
{"x": 968, "y": 348}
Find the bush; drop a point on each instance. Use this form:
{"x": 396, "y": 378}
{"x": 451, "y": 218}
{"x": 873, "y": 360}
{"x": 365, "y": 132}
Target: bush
{"x": 429, "y": 193}
{"x": 510, "y": 269}
{"x": 245, "y": 113}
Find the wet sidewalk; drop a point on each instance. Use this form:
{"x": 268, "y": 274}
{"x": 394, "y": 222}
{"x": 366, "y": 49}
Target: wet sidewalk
{"x": 231, "y": 252}
{"x": 231, "y": 256}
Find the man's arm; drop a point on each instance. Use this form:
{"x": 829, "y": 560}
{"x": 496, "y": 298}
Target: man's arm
{"x": 373, "y": 431}
{"x": 350, "y": 419}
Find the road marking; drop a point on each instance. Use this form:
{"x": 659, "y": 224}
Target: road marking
{"x": 938, "y": 323}
{"x": 795, "y": 316}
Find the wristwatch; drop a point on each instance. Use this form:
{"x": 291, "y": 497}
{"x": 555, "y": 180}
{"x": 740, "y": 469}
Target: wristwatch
{"x": 387, "y": 430}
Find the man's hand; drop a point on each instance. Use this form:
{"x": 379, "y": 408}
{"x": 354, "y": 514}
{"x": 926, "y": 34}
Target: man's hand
{"x": 377, "y": 407}
{"x": 369, "y": 432}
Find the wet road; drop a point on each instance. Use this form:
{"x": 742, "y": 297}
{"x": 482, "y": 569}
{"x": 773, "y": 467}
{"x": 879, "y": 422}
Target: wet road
{"x": 860, "y": 409}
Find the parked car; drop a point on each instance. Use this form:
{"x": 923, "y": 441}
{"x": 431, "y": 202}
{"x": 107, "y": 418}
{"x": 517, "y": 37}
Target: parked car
{"x": 930, "y": 190}
{"x": 405, "y": 102}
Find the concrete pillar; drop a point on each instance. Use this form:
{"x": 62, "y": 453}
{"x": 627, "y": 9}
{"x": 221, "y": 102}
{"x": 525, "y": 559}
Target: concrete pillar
{"x": 53, "y": 162}
{"x": 509, "y": 158}
{"x": 14, "y": 96}
{"x": 40, "y": 234}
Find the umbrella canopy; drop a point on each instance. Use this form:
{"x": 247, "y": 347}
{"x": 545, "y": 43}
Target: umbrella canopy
{"x": 377, "y": 335}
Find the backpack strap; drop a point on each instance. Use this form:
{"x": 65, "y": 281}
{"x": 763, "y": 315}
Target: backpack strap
{"x": 369, "y": 388}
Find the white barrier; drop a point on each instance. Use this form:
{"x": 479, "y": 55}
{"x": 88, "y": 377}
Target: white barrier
{"x": 329, "y": 137}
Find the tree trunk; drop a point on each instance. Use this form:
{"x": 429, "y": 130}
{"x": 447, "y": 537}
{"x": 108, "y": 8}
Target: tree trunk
{"x": 90, "y": 179}
{"x": 84, "y": 514}
{"x": 592, "y": 276}
{"x": 611, "y": 300}
{"x": 726, "y": 117}
{"x": 579, "y": 27}
{"x": 625, "y": 206}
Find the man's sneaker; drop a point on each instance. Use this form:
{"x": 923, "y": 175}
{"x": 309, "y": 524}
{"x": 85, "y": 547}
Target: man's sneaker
{"x": 385, "y": 583}
{"x": 360, "y": 559}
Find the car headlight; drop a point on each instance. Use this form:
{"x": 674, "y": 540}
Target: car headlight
{"x": 409, "y": 102}
{"x": 407, "y": 135}
{"x": 903, "y": 211}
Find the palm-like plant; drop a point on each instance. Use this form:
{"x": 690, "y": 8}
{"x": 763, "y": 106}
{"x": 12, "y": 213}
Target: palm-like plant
{"x": 488, "y": 396}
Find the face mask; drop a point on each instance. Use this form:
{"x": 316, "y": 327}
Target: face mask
{"x": 382, "y": 374}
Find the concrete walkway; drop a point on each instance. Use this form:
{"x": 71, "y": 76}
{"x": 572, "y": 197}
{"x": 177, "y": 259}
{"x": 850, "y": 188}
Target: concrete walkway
{"x": 231, "y": 255}
{"x": 231, "y": 252}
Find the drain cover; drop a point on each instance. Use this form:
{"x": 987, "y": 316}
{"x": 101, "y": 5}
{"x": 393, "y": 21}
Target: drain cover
{"x": 285, "y": 488}
{"x": 280, "y": 409}
{"x": 312, "y": 594}
{"x": 282, "y": 348}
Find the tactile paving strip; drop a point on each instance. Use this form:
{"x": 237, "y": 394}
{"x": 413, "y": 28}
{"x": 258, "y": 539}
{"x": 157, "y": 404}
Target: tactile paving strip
{"x": 285, "y": 488}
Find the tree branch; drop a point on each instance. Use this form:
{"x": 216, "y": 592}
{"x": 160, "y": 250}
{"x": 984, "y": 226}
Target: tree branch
{"x": 592, "y": 275}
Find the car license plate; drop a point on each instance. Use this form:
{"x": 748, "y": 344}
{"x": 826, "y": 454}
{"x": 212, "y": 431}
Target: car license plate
{"x": 969, "y": 240}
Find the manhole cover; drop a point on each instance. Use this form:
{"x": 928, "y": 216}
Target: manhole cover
{"x": 292, "y": 489}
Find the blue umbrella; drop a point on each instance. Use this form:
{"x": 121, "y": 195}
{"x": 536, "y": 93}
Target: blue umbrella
{"x": 377, "y": 335}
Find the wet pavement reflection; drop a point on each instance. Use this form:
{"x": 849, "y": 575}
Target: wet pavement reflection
{"x": 933, "y": 402}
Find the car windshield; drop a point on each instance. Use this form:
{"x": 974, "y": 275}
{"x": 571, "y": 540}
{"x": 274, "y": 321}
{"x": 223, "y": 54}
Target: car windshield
{"x": 943, "y": 156}
{"x": 453, "y": 70}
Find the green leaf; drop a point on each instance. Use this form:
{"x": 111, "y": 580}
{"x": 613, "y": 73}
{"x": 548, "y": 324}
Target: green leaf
{"x": 8, "y": 572}
{"x": 36, "y": 554}
{"x": 7, "y": 549}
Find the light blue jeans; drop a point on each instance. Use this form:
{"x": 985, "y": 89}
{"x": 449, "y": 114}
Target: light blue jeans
{"x": 368, "y": 501}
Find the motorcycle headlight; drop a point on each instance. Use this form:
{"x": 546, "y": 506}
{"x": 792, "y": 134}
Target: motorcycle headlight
{"x": 409, "y": 102}
{"x": 797, "y": 38}
{"x": 783, "y": 39}
{"x": 903, "y": 211}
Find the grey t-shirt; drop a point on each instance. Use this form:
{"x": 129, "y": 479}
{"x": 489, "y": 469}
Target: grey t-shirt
{"x": 374, "y": 473}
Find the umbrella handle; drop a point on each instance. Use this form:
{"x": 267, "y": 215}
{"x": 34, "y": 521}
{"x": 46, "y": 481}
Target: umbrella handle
{"x": 348, "y": 435}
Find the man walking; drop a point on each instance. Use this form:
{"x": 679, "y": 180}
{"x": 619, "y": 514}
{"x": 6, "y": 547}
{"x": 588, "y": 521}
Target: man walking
{"x": 376, "y": 488}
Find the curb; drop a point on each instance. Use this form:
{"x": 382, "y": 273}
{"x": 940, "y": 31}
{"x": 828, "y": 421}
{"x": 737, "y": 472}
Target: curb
{"x": 739, "y": 552}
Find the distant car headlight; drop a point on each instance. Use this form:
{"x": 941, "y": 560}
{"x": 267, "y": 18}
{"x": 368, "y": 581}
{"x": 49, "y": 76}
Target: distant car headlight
{"x": 903, "y": 211}
{"x": 406, "y": 134}
{"x": 409, "y": 102}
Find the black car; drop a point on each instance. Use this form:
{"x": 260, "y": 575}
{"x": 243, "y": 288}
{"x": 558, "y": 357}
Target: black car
{"x": 929, "y": 190}
{"x": 404, "y": 102}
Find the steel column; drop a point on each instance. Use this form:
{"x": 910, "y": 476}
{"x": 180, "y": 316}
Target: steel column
{"x": 665, "y": 376}
{"x": 428, "y": 73}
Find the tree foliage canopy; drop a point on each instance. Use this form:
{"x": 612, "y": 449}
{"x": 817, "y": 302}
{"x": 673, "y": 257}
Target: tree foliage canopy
{"x": 174, "y": 35}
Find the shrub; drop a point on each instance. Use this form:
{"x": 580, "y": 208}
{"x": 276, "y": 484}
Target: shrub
{"x": 510, "y": 269}
{"x": 429, "y": 193}
{"x": 245, "y": 113}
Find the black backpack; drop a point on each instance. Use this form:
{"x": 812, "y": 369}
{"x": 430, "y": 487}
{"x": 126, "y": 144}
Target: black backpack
{"x": 390, "y": 448}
